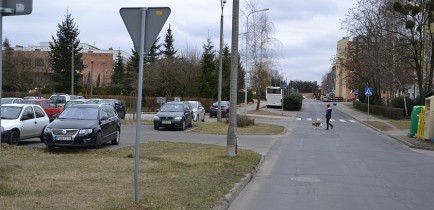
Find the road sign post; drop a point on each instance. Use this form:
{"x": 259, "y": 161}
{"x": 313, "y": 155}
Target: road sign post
{"x": 143, "y": 24}
{"x": 10, "y": 8}
{"x": 368, "y": 92}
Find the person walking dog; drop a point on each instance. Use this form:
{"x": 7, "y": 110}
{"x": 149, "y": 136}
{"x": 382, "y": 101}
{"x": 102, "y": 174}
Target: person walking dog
{"x": 328, "y": 116}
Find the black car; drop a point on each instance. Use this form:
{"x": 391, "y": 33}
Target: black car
{"x": 84, "y": 125}
{"x": 117, "y": 104}
{"x": 225, "y": 105}
{"x": 174, "y": 115}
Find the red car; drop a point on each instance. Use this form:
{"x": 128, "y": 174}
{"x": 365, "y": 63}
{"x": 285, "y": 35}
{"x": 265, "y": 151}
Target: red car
{"x": 45, "y": 104}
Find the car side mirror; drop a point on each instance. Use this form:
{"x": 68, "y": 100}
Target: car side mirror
{"x": 157, "y": 110}
{"x": 104, "y": 118}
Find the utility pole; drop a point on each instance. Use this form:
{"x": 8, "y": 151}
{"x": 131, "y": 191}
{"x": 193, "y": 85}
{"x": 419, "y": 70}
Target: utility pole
{"x": 219, "y": 111}
{"x": 232, "y": 136}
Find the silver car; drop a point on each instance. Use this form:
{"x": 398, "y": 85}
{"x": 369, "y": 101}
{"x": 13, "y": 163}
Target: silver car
{"x": 22, "y": 121}
{"x": 198, "y": 111}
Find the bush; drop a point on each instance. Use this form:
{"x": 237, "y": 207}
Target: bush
{"x": 398, "y": 102}
{"x": 243, "y": 121}
{"x": 292, "y": 102}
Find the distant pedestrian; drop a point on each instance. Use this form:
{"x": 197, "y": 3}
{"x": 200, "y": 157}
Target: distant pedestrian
{"x": 328, "y": 116}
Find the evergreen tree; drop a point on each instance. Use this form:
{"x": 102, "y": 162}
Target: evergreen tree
{"x": 132, "y": 71}
{"x": 61, "y": 48}
{"x": 155, "y": 51}
{"x": 118, "y": 74}
{"x": 169, "y": 49}
{"x": 208, "y": 82}
{"x": 226, "y": 74}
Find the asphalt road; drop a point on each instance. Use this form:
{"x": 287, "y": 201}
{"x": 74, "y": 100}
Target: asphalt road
{"x": 349, "y": 167}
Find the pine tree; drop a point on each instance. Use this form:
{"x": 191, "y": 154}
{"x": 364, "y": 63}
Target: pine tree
{"x": 61, "y": 48}
{"x": 209, "y": 77}
{"x": 118, "y": 74}
{"x": 155, "y": 51}
{"x": 169, "y": 50}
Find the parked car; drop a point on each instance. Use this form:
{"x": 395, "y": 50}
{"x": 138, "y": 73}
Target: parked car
{"x": 225, "y": 105}
{"x": 59, "y": 99}
{"x": 45, "y": 104}
{"x": 174, "y": 114}
{"x": 22, "y": 121}
{"x": 117, "y": 104}
{"x": 84, "y": 125}
{"x": 198, "y": 111}
{"x": 11, "y": 100}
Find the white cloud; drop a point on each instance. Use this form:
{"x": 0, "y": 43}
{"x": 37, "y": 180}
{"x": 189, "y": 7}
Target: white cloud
{"x": 308, "y": 30}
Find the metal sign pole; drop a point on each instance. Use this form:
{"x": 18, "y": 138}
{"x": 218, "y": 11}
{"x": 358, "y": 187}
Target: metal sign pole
{"x": 139, "y": 104}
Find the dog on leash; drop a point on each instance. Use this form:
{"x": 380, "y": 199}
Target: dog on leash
{"x": 317, "y": 124}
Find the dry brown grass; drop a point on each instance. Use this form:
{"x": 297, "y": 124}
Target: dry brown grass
{"x": 221, "y": 128}
{"x": 172, "y": 176}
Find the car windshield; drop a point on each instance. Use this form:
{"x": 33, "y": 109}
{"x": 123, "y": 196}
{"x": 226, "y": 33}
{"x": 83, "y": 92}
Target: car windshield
{"x": 7, "y": 100}
{"x": 80, "y": 113}
{"x": 224, "y": 103}
{"x": 193, "y": 104}
{"x": 172, "y": 108}
{"x": 109, "y": 102}
{"x": 29, "y": 102}
{"x": 10, "y": 112}
{"x": 70, "y": 103}
{"x": 58, "y": 99}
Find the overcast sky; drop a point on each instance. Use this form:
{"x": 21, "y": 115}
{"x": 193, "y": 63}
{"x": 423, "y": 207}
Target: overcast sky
{"x": 308, "y": 30}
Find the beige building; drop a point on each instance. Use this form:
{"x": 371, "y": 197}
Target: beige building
{"x": 344, "y": 76}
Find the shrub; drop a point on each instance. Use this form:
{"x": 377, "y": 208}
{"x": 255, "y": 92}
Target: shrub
{"x": 243, "y": 121}
{"x": 292, "y": 102}
{"x": 398, "y": 102}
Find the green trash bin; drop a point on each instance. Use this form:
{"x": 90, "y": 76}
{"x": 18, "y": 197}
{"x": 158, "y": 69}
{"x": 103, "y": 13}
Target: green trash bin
{"x": 414, "y": 122}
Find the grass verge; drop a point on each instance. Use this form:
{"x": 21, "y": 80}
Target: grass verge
{"x": 379, "y": 125}
{"x": 172, "y": 176}
{"x": 221, "y": 128}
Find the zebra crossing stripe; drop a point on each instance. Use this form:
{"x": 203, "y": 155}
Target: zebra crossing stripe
{"x": 331, "y": 120}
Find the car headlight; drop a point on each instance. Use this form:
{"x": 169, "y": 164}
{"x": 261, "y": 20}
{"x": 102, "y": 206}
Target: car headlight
{"x": 178, "y": 118}
{"x": 156, "y": 117}
{"x": 85, "y": 131}
{"x": 47, "y": 130}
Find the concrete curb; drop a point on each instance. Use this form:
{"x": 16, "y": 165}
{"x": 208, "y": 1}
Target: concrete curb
{"x": 238, "y": 187}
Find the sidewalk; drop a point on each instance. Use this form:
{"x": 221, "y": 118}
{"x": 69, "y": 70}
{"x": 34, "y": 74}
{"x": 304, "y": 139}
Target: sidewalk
{"x": 399, "y": 135}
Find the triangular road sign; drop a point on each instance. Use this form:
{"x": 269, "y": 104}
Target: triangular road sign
{"x": 155, "y": 19}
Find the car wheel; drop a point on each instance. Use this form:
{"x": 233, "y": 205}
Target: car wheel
{"x": 14, "y": 138}
{"x": 98, "y": 140}
{"x": 183, "y": 125}
{"x": 203, "y": 119}
{"x": 156, "y": 128}
{"x": 50, "y": 146}
{"x": 117, "y": 139}
{"x": 42, "y": 136}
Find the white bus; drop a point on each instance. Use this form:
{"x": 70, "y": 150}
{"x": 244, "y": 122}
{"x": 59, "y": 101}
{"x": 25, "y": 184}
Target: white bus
{"x": 274, "y": 96}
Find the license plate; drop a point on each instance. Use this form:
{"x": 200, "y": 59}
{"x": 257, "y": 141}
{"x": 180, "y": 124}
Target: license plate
{"x": 167, "y": 122}
{"x": 64, "y": 138}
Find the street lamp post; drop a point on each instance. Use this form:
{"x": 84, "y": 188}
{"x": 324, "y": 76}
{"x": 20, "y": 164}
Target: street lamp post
{"x": 247, "y": 61}
{"x": 219, "y": 111}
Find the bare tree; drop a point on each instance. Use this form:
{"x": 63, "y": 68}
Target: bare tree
{"x": 259, "y": 49}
